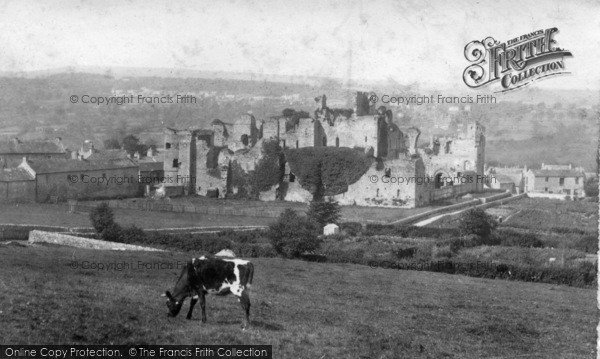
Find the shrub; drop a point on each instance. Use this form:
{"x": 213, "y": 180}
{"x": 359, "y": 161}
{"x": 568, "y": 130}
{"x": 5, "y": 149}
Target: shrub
{"x": 476, "y": 221}
{"x": 112, "y": 233}
{"x": 442, "y": 252}
{"x": 132, "y": 234}
{"x": 102, "y": 217}
{"x": 292, "y": 235}
{"x": 511, "y": 238}
{"x": 351, "y": 229}
{"x": 588, "y": 244}
{"x": 324, "y": 212}
{"x": 457, "y": 243}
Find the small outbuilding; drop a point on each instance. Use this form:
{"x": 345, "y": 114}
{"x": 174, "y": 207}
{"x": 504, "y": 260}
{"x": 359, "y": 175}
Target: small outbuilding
{"x": 330, "y": 229}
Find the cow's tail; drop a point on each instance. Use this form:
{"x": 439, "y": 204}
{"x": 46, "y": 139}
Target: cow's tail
{"x": 249, "y": 275}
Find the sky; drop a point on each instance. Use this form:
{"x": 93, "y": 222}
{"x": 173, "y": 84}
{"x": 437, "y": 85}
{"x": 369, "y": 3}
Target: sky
{"x": 407, "y": 41}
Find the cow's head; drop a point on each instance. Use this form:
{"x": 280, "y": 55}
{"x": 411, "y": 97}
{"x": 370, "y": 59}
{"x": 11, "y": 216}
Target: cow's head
{"x": 173, "y": 304}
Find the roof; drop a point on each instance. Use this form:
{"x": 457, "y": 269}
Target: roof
{"x": 14, "y": 147}
{"x": 60, "y": 165}
{"x": 557, "y": 173}
{"x": 114, "y": 154}
{"x": 501, "y": 178}
{"x": 151, "y": 166}
{"x": 15, "y": 175}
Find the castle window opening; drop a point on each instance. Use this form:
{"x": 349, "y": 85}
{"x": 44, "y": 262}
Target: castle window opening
{"x": 337, "y": 142}
{"x": 546, "y": 179}
{"x": 365, "y": 138}
{"x": 325, "y": 141}
{"x": 545, "y": 189}
{"x": 576, "y": 180}
{"x": 176, "y": 163}
{"x": 292, "y": 177}
{"x": 561, "y": 181}
{"x": 297, "y": 143}
{"x": 167, "y": 145}
{"x": 438, "y": 181}
{"x": 377, "y": 194}
{"x": 398, "y": 193}
{"x": 448, "y": 146}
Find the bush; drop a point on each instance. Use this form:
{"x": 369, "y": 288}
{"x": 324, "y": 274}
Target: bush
{"x": 112, "y": 233}
{"x": 132, "y": 234}
{"x": 588, "y": 244}
{"x": 511, "y": 238}
{"x": 292, "y": 235}
{"x": 351, "y": 229}
{"x": 324, "y": 212}
{"x": 476, "y": 221}
{"x": 457, "y": 243}
{"x": 409, "y": 231}
{"x": 102, "y": 217}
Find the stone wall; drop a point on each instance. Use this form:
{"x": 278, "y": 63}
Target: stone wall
{"x": 59, "y": 186}
{"x": 73, "y": 241}
{"x": 17, "y": 191}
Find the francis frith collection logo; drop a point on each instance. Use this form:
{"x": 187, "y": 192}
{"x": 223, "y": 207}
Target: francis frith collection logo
{"x": 514, "y": 63}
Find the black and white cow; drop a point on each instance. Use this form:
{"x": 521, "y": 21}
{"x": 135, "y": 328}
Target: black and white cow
{"x": 212, "y": 275}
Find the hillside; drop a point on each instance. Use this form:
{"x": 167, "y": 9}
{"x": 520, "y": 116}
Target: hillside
{"x": 303, "y": 309}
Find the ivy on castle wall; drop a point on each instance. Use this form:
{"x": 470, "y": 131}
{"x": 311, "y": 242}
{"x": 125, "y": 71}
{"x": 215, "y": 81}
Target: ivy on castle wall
{"x": 267, "y": 172}
{"x": 327, "y": 171}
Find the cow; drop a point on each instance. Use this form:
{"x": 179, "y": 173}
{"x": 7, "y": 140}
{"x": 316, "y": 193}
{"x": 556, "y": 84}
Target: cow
{"x": 212, "y": 275}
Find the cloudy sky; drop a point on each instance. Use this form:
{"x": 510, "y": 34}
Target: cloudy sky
{"x": 408, "y": 41}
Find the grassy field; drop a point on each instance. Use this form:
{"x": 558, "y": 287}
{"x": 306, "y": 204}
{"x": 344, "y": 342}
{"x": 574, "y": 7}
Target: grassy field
{"x": 542, "y": 214}
{"x": 303, "y": 309}
{"x": 57, "y": 215}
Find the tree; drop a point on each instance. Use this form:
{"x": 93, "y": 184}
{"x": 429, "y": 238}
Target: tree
{"x": 476, "y": 222}
{"x": 102, "y": 217}
{"x": 112, "y": 144}
{"x": 132, "y": 144}
{"x": 324, "y": 212}
{"x": 103, "y": 221}
{"x": 292, "y": 235}
{"x": 591, "y": 187}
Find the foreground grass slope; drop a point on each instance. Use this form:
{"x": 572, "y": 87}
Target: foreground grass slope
{"x": 303, "y": 309}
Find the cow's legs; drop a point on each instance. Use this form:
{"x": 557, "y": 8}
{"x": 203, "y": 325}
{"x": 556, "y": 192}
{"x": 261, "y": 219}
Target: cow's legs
{"x": 203, "y": 305}
{"x": 192, "y": 304}
{"x": 245, "y": 303}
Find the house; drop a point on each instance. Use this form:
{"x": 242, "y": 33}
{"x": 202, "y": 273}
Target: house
{"x": 62, "y": 179}
{"x": 556, "y": 180}
{"x": 16, "y": 185}
{"x": 506, "y": 178}
{"x": 13, "y": 151}
{"x": 151, "y": 175}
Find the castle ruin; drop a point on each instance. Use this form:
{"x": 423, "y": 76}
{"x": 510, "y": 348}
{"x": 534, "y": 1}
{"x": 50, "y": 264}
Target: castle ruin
{"x": 201, "y": 161}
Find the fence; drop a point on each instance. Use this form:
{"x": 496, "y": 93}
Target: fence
{"x": 180, "y": 208}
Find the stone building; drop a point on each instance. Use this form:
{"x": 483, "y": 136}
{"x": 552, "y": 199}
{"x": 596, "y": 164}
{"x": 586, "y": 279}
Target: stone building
{"x": 208, "y": 157}
{"x": 16, "y": 185}
{"x": 13, "y": 151}
{"x": 556, "y": 180}
{"x": 62, "y": 179}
